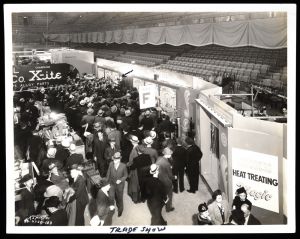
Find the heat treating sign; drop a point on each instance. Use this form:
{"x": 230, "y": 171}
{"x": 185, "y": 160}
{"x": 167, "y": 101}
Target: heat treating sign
{"x": 147, "y": 95}
{"x": 258, "y": 174}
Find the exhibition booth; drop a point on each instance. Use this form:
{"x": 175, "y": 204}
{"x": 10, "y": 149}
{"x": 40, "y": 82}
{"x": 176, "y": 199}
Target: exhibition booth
{"x": 245, "y": 152}
{"x": 237, "y": 150}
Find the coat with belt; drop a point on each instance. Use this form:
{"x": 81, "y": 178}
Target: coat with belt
{"x": 215, "y": 213}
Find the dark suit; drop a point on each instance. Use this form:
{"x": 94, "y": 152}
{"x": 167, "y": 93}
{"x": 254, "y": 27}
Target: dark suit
{"x": 155, "y": 194}
{"x": 166, "y": 177}
{"x": 82, "y": 199}
{"x": 142, "y": 163}
{"x": 26, "y": 204}
{"x": 179, "y": 163}
{"x": 117, "y": 190}
{"x": 126, "y": 147}
{"x": 99, "y": 150}
{"x": 194, "y": 155}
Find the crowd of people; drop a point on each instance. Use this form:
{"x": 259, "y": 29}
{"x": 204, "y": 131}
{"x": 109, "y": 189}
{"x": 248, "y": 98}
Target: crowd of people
{"x": 124, "y": 143}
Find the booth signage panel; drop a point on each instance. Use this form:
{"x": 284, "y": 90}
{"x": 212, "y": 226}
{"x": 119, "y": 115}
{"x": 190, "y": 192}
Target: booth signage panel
{"x": 258, "y": 174}
{"x": 40, "y": 75}
{"x": 147, "y": 95}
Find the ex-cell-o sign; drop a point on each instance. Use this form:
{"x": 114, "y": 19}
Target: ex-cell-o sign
{"x": 147, "y": 96}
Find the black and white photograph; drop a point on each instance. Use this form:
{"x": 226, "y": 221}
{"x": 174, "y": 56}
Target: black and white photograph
{"x": 150, "y": 118}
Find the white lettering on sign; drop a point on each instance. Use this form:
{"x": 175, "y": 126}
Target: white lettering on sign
{"x": 147, "y": 96}
{"x": 37, "y": 76}
{"x": 258, "y": 174}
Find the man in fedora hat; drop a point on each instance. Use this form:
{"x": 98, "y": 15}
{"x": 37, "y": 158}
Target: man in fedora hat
{"x": 81, "y": 194}
{"x": 27, "y": 203}
{"x": 133, "y": 181}
{"x": 110, "y": 150}
{"x": 116, "y": 176}
{"x": 193, "y": 155}
{"x": 166, "y": 176}
{"x": 147, "y": 142}
{"x": 114, "y": 133}
{"x": 126, "y": 145}
{"x": 179, "y": 163}
{"x": 100, "y": 209}
{"x": 100, "y": 142}
{"x": 74, "y": 157}
{"x": 58, "y": 216}
{"x": 156, "y": 196}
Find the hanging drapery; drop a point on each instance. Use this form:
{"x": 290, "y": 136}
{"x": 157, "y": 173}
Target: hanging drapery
{"x": 156, "y": 35}
{"x": 231, "y": 34}
{"x": 140, "y": 36}
{"x": 269, "y": 33}
{"x": 266, "y": 33}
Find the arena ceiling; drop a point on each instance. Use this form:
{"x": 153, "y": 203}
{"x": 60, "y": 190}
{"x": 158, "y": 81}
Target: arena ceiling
{"x": 58, "y": 22}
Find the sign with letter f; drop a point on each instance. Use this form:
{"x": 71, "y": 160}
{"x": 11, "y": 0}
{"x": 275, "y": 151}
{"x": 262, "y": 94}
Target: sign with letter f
{"x": 147, "y": 96}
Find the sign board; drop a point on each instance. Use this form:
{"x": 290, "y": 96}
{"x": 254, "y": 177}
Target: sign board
{"x": 147, "y": 95}
{"x": 30, "y": 76}
{"x": 258, "y": 174}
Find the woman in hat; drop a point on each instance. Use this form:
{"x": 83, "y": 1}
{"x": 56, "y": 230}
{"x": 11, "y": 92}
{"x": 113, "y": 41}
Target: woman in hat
{"x": 116, "y": 176}
{"x": 81, "y": 194}
{"x": 240, "y": 198}
{"x": 203, "y": 217}
{"x": 58, "y": 216}
{"x": 219, "y": 208}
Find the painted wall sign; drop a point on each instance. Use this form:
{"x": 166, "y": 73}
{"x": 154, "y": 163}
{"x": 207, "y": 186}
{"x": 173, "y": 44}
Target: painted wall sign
{"x": 40, "y": 75}
{"x": 258, "y": 173}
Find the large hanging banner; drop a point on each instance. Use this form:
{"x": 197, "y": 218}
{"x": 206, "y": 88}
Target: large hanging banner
{"x": 31, "y": 76}
{"x": 258, "y": 174}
